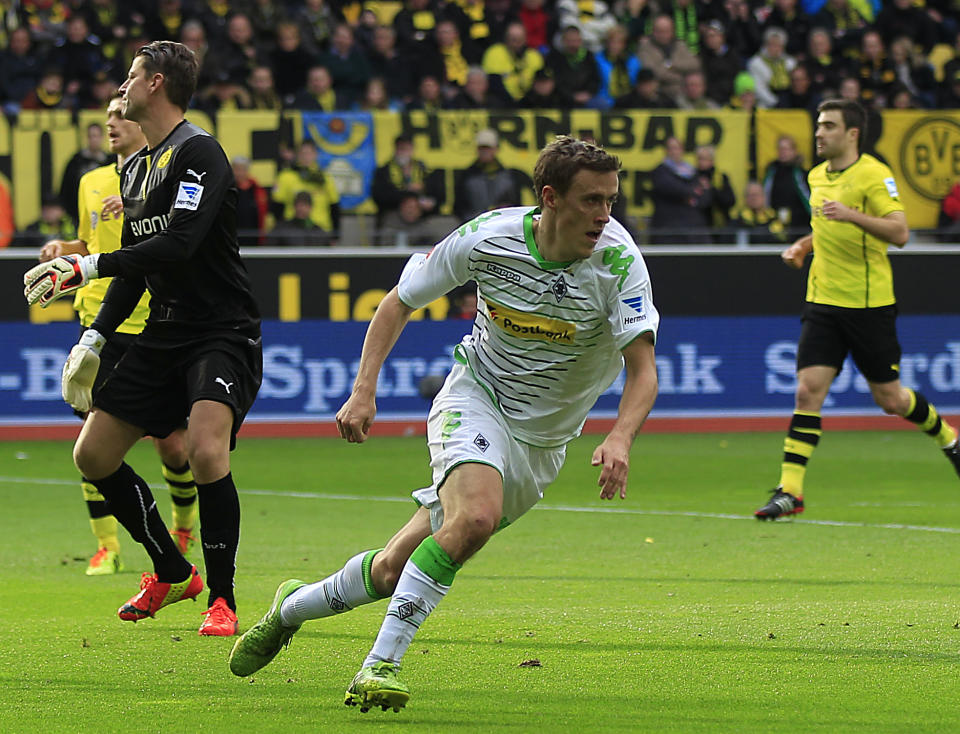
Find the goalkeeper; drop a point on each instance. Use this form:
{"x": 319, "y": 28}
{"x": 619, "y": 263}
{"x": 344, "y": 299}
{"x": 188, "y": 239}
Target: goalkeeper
{"x": 199, "y": 355}
{"x": 101, "y": 220}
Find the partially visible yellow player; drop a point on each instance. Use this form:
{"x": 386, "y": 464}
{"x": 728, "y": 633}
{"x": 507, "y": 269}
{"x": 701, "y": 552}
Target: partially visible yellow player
{"x": 100, "y": 225}
{"x": 855, "y": 215}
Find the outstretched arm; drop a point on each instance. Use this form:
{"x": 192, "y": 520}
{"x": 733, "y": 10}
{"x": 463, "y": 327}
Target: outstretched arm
{"x": 639, "y": 393}
{"x": 356, "y": 416}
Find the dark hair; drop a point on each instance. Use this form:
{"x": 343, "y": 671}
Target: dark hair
{"x": 179, "y": 67}
{"x": 560, "y": 161}
{"x": 853, "y": 114}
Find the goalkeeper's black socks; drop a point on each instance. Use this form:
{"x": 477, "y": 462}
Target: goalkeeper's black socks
{"x": 132, "y": 503}
{"x": 220, "y": 523}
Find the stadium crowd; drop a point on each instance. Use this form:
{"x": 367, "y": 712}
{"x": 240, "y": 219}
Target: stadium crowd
{"x": 474, "y": 54}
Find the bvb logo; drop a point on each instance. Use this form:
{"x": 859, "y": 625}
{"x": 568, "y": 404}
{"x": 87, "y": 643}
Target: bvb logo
{"x": 930, "y": 156}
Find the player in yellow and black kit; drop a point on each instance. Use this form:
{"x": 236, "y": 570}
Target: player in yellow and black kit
{"x": 856, "y": 215}
{"x": 100, "y": 225}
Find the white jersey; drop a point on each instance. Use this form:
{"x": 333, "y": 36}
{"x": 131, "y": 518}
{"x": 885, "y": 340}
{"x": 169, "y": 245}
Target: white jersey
{"x": 547, "y": 338}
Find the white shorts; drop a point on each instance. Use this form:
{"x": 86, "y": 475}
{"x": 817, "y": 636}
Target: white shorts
{"x": 465, "y": 426}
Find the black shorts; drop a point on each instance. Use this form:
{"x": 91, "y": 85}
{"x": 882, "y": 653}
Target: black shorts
{"x": 869, "y": 335}
{"x": 155, "y": 387}
{"x": 111, "y": 353}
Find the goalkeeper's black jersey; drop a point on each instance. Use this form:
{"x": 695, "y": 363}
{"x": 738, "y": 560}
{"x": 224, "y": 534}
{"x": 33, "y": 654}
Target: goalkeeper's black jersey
{"x": 180, "y": 238}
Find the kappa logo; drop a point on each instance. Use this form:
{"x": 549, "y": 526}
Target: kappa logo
{"x": 226, "y": 385}
{"x": 198, "y": 176}
{"x": 188, "y": 196}
{"x": 503, "y": 272}
{"x": 481, "y": 443}
{"x": 406, "y": 610}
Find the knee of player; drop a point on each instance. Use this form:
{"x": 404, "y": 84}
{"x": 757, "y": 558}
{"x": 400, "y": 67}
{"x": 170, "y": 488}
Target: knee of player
{"x": 206, "y": 457}
{"x": 385, "y": 572}
{"x": 890, "y": 404}
{"x": 85, "y": 459}
{"x": 476, "y": 525}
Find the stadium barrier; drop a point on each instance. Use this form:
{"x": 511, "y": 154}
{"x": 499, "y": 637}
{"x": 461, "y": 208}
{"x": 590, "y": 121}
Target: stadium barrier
{"x": 725, "y": 352}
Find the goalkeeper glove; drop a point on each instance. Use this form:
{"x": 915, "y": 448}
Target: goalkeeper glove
{"x": 80, "y": 370}
{"x": 47, "y": 281}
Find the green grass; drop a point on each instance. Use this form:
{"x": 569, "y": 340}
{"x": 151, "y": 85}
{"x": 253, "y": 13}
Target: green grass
{"x": 643, "y": 618}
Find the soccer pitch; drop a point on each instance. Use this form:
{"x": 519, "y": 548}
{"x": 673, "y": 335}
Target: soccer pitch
{"x": 672, "y": 611}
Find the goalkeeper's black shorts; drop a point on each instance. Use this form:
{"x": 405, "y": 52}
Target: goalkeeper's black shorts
{"x": 154, "y": 387}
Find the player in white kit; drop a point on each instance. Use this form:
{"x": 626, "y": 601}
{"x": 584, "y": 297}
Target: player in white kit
{"x": 564, "y": 303}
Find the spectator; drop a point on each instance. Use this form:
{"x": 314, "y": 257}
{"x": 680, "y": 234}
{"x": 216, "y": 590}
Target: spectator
{"x": 949, "y": 97}
{"x": 744, "y": 93}
{"x": 756, "y": 223}
{"x": 429, "y": 96}
{"x": 264, "y": 16}
{"x": 375, "y": 98}
{"x": 667, "y": 57}
{"x": 771, "y": 67}
{"x": 949, "y": 224}
{"x": 594, "y": 18}
{"x": 485, "y": 184}
{"x": 743, "y": 30}
{"x": 19, "y": 70}
{"x": 511, "y": 65}
{"x": 618, "y": 67}
{"x": 290, "y": 62}
{"x": 713, "y": 190}
{"x": 463, "y": 302}
{"x": 406, "y": 226}
{"x": 52, "y": 224}
{"x": 686, "y": 23}
{"x": 316, "y": 22}
{"x": 785, "y": 187}
{"x": 539, "y": 24}
{"x": 300, "y": 229}
{"x": 574, "y": 69}
{"x": 386, "y": 63}
{"x": 823, "y": 66}
{"x": 800, "y": 95}
{"x": 543, "y": 95}
{"x": 236, "y": 55}
{"x": 448, "y": 59}
{"x": 252, "y": 204}
{"x": 7, "y": 227}
{"x": 845, "y": 23}
{"x": 307, "y": 176}
{"x": 319, "y": 95}
{"x": 224, "y": 95}
{"x": 903, "y": 18}
{"x": 49, "y": 93}
{"x": 77, "y": 56}
{"x": 194, "y": 36}
{"x": 347, "y": 65}
{"x": 646, "y": 95}
{"x": 476, "y": 93}
{"x": 913, "y": 72}
{"x": 86, "y": 159}
{"x": 417, "y": 22}
{"x": 678, "y": 204}
{"x": 721, "y": 63}
{"x": 263, "y": 93}
{"x": 694, "y": 95}
{"x": 874, "y": 70}
{"x": 214, "y": 14}
{"x": 794, "y": 22}
{"x": 850, "y": 89}
{"x": 636, "y": 16}
{"x": 497, "y": 17}
{"x": 403, "y": 174}
{"x": 102, "y": 89}
{"x": 45, "y": 20}
{"x": 166, "y": 20}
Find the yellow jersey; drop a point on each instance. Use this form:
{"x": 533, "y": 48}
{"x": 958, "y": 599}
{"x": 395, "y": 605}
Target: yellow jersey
{"x": 319, "y": 185}
{"x": 850, "y": 267}
{"x": 101, "y": 233}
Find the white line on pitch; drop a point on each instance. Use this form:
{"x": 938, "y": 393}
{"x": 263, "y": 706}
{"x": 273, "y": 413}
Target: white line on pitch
{"x": 543, "y": 507}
